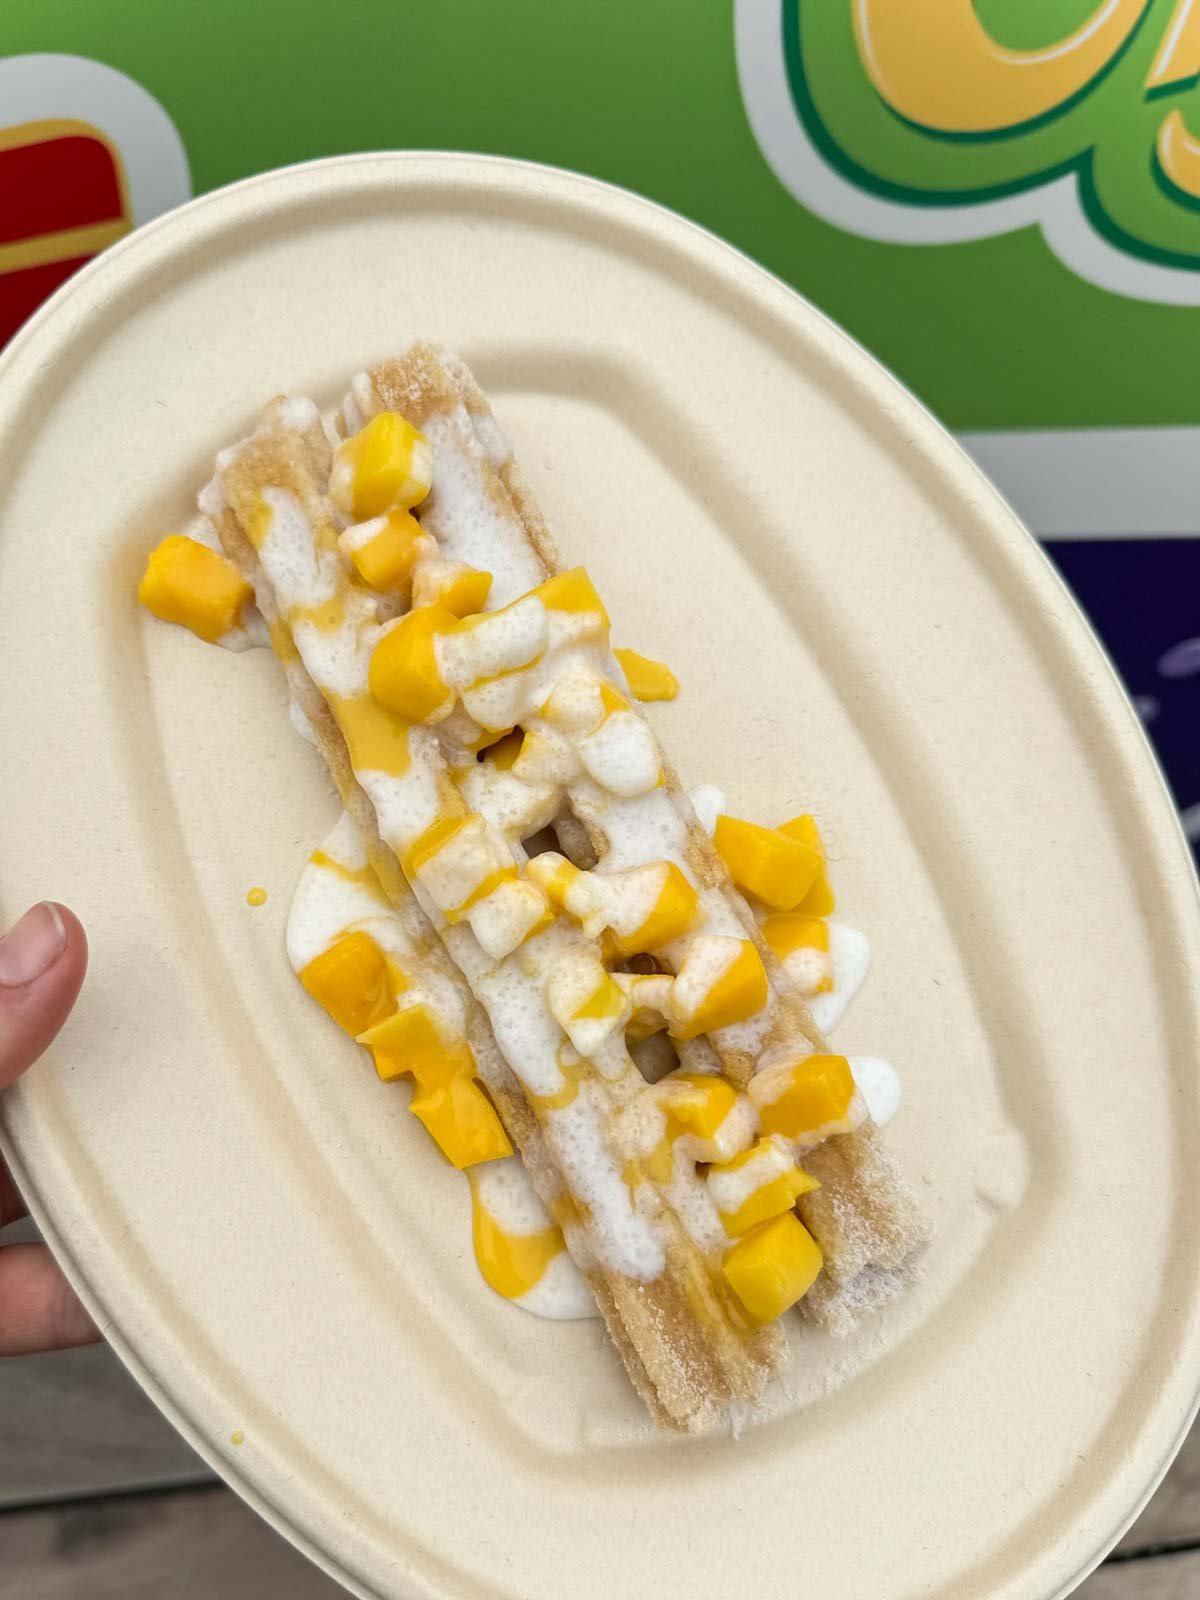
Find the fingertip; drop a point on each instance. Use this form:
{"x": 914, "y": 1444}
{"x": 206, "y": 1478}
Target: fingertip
{"x": 76, "y": 933}
{"x": 74, "y": 958}
{"x": 43, "y": 959}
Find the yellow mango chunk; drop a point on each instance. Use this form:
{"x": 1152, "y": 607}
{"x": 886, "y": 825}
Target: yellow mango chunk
{"x": 611, "y": 699}
{"x": 771, "y": 1200}
{"x": 486, "y": 886}
{"x": 761, "y": 1183}
{"x": 773, "y": 1266}
{"x": 572, "y": 591}
{"x": 606, "y": 1000}
{"x": 431, "y": 841}
{"x": 510, "y": 913}
{"x": 377, "y": 740}
{"x": 797, "y": 1098}
{"x": 386, "y": 466}
{"x": 737, "y": 993}
{"x": 776, "y": 869}
{"x": 555, "y": 876}
{"x": 789, "y": 932}
{"x": 409, "y": 1040}
{"x": 462, "y": 1121}
{"x": 463, "y": 591}
{"x": 386, "y": 560}
{"x": 819, "y": 901}
{"x": 404, "y": 674}
{"x": 696, "y": 1103}
{"x": 649, "y": 680}
{"x": 460, "y": 860}
{"x": 452, "y": 1106}
{"x": 351, "y": 981}
{"x": 187, "y": 583}
{"x": 676, "y": 910}
{"x": 786, "y": 931}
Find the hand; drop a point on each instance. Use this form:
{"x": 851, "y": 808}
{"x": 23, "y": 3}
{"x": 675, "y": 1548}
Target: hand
{"x": 42, "y": 962}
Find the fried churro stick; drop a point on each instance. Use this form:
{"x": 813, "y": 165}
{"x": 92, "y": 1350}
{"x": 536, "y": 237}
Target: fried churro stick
{"x": 690, "y": 1359}
{"x": 482, "y": 513}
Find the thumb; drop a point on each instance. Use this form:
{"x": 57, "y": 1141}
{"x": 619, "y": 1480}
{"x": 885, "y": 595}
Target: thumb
{"x": 42, "y": 961}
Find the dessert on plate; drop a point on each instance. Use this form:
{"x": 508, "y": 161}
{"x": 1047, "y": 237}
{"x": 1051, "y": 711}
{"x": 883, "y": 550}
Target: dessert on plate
{"x": 611, "y": 999}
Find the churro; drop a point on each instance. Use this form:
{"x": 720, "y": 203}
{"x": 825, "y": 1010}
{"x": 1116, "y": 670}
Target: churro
{"x": 522, "y": 912}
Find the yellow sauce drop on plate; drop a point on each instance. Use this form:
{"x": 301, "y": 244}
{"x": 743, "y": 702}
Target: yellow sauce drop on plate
{"x": 256, "y": 896}
{"x": 510, "y": 1263}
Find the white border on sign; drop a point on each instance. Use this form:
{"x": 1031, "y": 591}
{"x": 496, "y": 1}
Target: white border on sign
{"x": 1053, "y": 206}
{"x": 36, "y": 88}
{"x": 1096, "y": 483}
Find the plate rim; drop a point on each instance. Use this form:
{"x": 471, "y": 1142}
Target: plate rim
{"x": 175, "y": 234}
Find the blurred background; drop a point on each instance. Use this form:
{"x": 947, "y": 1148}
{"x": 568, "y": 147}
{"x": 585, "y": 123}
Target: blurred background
{"x": 999, "y": 198}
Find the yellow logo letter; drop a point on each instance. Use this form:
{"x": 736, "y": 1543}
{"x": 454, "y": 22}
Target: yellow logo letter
{"x": 935, "y": 63}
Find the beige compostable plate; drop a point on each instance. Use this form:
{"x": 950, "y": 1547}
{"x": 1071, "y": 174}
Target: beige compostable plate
{"x": 861, "y": 628}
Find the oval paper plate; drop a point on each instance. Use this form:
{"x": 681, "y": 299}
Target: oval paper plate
{"x": 861, "y": 628}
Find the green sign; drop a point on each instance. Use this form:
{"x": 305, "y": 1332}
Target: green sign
{"x": 995, "y": 270}
{"x": 999, "y": 198}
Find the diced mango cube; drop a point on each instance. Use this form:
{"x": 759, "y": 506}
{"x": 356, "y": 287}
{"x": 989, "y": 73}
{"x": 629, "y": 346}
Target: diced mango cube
{"x": 376, "y": 739}
{"x": 800, "y": 1098}
{"x": 776, "y": 869}
{"x": 457, "y": 588}
{"x": 720, "y": 981}
{"x": 512, "y": 911}
{"x": 454, "y": 1109}
{"x": 606, "y": 1000}
{"x": 770, "y": 1200}
{"x": 801, "y": 943}
{"x": 586, "y": 1002}
{"x": 546, "y": 756}
{"x": 351, "y": 981}
{"x": 555, "y": 876}
{"x": 461, "y": 1119}
{"x": 773, "y": 1266}
{"x": 431, "y": 841}
{"x": 408, "y": 1040}
{"x": 385, "y": 551}
{"x": 611, "y": 699}
{"x": 459, "y": 861}
{"x": 761, "y": 1183}
{"x": 574, "y": 592}
{"x": 819, "y": 901}
{"x": 676, "y": 910}
{"x": 696, "y": 1103}
{"x": 787, "y": 931}
{"x": 405, "y": 675}
{"x": 187, "y": 583}
{"x": 649, "y": 680}
{"x": 386, "y": 466}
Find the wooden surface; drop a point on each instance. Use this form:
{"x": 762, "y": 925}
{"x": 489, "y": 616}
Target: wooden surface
{"x": 188, "y": 1544}
{"x": 1173, "y": 1516}
{"x": 1172, "y": 1577}
{"x": 76, "y": 1424}
{"x": 101, "y": 1500}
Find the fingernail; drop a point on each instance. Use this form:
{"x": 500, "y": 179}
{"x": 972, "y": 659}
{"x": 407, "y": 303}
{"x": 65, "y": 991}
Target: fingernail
{"x": 31, "y": 945}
